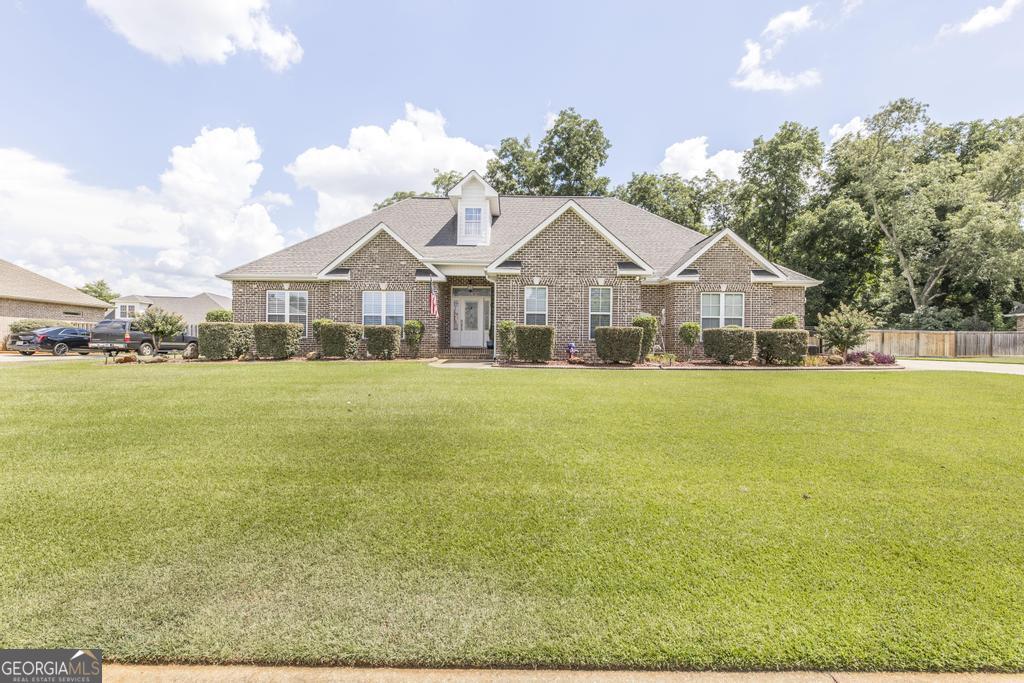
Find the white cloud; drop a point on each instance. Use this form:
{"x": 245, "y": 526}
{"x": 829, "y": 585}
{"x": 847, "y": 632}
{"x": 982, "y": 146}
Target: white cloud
{"x": 850, "y": 6}
{"x": 690, "y": 159}
{"x": 792, "y": 21}
{"x": 851, "y": 127}
{"x": 201, "y": 30}
{"x": 201, "y": 221}
{"x": 986, "y": 17}
{"x": 376, "y": 162}
{"x": 753, "y": 72}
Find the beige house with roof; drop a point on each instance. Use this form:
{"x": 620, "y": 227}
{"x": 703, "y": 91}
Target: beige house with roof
{"x": 24, "y": 294}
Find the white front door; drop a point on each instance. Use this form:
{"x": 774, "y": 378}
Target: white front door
{"x": 469, "y": 321}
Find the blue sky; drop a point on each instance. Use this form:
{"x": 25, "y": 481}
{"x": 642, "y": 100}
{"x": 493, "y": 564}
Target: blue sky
{"x": 156, "y": 147}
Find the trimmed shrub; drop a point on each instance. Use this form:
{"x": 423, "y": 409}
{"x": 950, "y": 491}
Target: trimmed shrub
{"x": 620, "y": 344}
{"x": 535, "y": 343}
{"x": 783, "y": 346}
{"x": 413, "y": 336}
{"x": 317, "y": 326}
{"x": 383, "y": 342}
{"x": 649, "y": 324}
{"x": 786, "y": 322}
{"x": 340, "y": 340}
{"x": 507, "y": 339}
{"x": 689, "y": 335}
{"x": 276, "y": 341}
{"x": 224, "y": 341}
{"x": 29, "y": 324}
{"x": 883, "y": 358}
{"x": 219, "y": 315}
{"x": 729, "y": 344}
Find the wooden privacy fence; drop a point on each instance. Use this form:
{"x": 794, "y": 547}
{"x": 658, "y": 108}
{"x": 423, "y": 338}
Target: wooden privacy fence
{"x": 929, "y": 343}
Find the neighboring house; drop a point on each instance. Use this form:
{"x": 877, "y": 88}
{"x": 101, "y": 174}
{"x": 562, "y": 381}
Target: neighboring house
{"x": 192, "y": 308}
{"x": 24, "y": 294}
{"x": 575, "y": 263}
{"x": 1018, "y": 313}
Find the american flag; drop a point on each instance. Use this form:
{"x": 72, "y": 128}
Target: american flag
{"x": 433, "y": 300}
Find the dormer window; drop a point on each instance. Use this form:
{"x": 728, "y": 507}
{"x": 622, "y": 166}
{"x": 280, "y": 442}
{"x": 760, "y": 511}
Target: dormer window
{"x": 474, "y": 223}
{"x": 476, "y": 206}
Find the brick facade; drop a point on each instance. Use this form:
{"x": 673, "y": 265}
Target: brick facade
{"x": 568, "y": 257}
{"x": 382, "y": 263}
{"x": 18, "y": 309}
{"x": 723, "y": 264}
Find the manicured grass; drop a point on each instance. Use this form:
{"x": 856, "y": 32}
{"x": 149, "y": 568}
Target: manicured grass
{"x": 400, "y": 514}
{"x": 1012, "y": 360}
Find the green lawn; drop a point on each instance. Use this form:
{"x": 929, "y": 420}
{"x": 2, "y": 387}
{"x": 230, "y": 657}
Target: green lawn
{"x": 1012, "y": 360}
{"x": 401, "y": 514}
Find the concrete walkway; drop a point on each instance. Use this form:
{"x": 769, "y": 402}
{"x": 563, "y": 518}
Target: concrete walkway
{"x": 44, "y": 357}
{"x": 114, "y": 673}
{"x": 963, "y": 366}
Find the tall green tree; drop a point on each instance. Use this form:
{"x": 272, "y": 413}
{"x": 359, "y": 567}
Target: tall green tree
{"x": 442, "y": 182}
{"x": 516, "y": 169}
{"x": 566, "y": 162}
{"x": 99, "y": 289}
{"x": 949, "y": 213}
{"x": 574, "y": 149}
{"x": 668, "y": 196}
{"x": 776, "y": 177}
{"x": 716, "y": 202}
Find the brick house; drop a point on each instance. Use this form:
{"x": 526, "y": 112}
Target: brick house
{"x": 575, "y": 263}
{"x": 24, "y": 294}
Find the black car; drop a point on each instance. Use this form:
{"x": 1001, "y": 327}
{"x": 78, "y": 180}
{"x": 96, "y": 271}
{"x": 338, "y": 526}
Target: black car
{"x": 114, "y": 336}
{"x": 57, "y": 340}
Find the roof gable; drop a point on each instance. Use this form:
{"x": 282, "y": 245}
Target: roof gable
{"x": 643, "y": 267}
{"x": 381, "y": 227}
{"x": 703, "y": 246}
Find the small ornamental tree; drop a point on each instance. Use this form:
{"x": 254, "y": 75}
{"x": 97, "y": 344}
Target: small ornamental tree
{"x": 689, "y": 335}
{"x": 649, "y": 324}
{"x": 844, "y": 328}
{"x": 218, "y": 315}
{"x": 413, "y": 336}
{"x": 159, "y": 324}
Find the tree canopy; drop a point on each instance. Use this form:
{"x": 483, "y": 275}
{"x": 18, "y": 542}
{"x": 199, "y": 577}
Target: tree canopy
{"x": 915, "y": 221}
{"x": 99, "y": 289}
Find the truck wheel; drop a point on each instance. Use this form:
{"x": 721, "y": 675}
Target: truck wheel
{"x": 146, "y": 349}
{"x": 60, "y": 348}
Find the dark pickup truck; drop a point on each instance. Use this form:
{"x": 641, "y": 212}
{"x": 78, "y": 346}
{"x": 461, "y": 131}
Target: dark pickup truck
{"x": 114, "y": 336}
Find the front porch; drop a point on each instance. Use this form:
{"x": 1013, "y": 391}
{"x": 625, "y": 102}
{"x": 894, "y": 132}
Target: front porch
{"x": 466, "y": 319}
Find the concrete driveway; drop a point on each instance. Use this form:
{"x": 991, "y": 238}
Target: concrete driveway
{"x": 963, "y": 366}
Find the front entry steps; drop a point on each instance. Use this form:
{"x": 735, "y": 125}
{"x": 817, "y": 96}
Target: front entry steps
{"x": 466, "y": 354}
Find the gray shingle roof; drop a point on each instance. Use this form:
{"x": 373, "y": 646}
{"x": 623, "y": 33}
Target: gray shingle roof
{"x": 192, "y": 308}
{"x": 18, "y": 283}
{"x": 429, "y": 225}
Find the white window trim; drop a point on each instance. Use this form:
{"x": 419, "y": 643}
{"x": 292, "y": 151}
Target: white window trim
{"x": 721, "y": 308}
{"x": 546, "y": 304}
{"x": 122, "y": 310}
{"x": 383, "y": 305}
{"x": 287, "y": 307}
{"x": 479, "y": 233}
{"x": 590, "y": 308}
